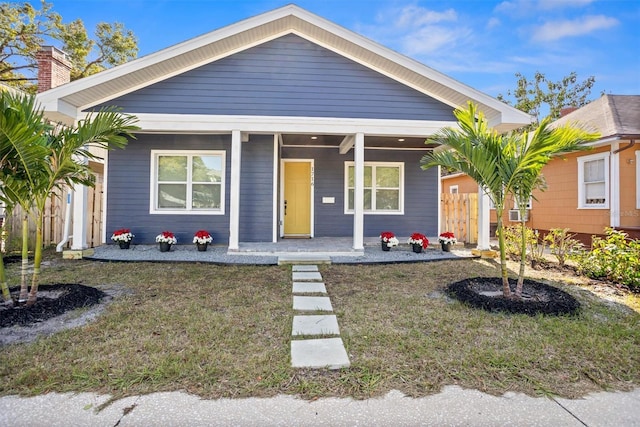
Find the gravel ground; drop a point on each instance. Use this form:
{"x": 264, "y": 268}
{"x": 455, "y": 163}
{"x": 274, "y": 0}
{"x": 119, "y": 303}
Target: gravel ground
{"x": 217, "y": 254}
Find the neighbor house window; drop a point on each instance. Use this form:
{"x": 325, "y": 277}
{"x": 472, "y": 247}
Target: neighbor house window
{"x": 383, "y": 187}
{"x": 593, "y": 181}
{"x": 187, "y": 182}
{"x": 529, "y": 203}
{"x": 453, "y": 189}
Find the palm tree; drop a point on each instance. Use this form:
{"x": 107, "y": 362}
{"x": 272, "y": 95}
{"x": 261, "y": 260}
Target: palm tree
{"x": 107, "y": 129}
{"x": 534, "y": 149}
{"x": 485, "y": 156}
{"x": 502, "y": 164}
{"x": 41, "y": 157}
{"x": 22, "y": 133}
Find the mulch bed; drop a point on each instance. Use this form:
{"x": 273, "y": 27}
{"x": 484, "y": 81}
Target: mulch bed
{"x": 537, "y": 298}
{"x": 53, "y": 300}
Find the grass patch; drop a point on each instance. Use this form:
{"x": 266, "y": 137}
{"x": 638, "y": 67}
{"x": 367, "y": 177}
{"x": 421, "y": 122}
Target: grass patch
{"x": 225, "y": 331}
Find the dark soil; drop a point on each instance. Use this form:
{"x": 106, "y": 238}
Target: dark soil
{"x": 537, "y": 298}
{"x": 53, "y": 300}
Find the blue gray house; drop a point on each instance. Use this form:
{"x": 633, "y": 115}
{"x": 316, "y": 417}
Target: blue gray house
{"x": 281, "y": 125}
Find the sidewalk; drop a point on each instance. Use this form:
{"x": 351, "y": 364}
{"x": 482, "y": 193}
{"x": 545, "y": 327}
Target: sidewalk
{"x": 452, "y": 407}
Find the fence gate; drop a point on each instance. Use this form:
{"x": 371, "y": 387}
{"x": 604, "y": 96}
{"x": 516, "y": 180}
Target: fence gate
{"x": 460, "y": 215}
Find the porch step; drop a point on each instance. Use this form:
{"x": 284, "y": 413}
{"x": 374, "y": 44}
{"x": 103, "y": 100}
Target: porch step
{"x": 303, "y": 259}
{"x": 319, "y": 353}
{"x": 306, "y": 267}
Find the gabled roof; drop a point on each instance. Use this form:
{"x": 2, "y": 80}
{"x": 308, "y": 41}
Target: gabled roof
{"x": 613, "y": 116}
{"x": 70, "y": 99}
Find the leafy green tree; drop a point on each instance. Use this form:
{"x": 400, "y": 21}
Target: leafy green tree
{"x": 539, "y": 94}
{"x": 44, "y": 157}
{"x": 24, "y": 29}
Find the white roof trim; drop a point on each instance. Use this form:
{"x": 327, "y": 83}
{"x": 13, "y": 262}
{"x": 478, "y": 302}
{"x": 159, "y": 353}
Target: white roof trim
{"x": 301, "y": 23}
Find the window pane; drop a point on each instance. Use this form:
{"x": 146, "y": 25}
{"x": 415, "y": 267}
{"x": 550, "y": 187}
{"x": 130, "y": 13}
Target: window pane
{"x": 172, "y": 196}
{"x": 388, "y": 200}
{"x": 207, "y": 169}
{"x": 594, "y": 171}
{"x": 595, "y": 193}
{"x": 368, "y": 180}
{"x": 206, "y": 196}
{"x": 172, "y": 168}
{"x": 367, "y": 200}
{"x": 388, "y": 177}
{"x": 350, "y": 181}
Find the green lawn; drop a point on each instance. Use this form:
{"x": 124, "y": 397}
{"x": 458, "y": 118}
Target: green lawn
{"x": 225, "y": 331}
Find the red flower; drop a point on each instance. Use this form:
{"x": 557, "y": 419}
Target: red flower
{"x": 386, "y": 235}
{"x": 419, "y": 239}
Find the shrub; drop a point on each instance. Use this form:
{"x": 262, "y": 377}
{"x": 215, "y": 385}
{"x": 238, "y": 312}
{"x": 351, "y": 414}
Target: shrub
{"x": 562, "y": 244}
{"x": 615, "y": 258}
{"x": 513, "y": 242}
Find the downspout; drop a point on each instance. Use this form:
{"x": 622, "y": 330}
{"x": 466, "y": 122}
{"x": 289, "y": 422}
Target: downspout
{"x": 67, "y": 222}
{"x": 631, "y": 144}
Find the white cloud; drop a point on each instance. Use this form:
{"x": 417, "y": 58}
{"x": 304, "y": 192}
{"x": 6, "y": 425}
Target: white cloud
{"x": 416, "y": 16}
{"x": 555, "y": 30}
{"x": 525, "y": 7}
{"x": 557, "y": 4}
{"x": 432, "y": 38}
{"x": 493, "y": 23}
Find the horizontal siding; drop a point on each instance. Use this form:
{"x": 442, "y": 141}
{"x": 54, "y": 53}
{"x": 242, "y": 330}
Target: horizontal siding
{"x": 289, "y": 76}
{"x": 128, "y": 190}
{"x": 421, "y": 194}
{"x": 256, "y": 189}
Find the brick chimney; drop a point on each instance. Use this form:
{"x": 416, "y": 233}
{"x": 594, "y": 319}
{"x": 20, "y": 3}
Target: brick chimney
{"x": 54, "y": 68}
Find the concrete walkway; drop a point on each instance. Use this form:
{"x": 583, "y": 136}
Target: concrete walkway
{"x": 453, "y": 406}
{"x": 310, "y": 297}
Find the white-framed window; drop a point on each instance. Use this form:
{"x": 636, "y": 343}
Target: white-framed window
{"x": 190, "y": 182}
{"x": 637, "y": 179}
{"x": 593, "y": 181}
{"x": 453, "y": 189}
{"x": 529, "y": 203}
{"x": 383, "y": 187}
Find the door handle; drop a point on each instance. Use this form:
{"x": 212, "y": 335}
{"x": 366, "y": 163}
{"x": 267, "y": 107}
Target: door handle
{"x": 285, "y": 207}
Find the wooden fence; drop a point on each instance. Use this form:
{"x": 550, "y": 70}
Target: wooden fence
{"x": 53, "y": 221}
{"x": 460, "y": 215}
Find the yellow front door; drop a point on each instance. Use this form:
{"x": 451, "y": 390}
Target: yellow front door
{"x": 297, "y": 199}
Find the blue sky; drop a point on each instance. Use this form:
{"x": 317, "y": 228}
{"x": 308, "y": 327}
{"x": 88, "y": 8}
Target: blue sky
{"x": 482, "y": 43}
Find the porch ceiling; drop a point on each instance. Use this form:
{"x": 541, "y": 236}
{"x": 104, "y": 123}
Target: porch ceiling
{"x": 307, "y": 140}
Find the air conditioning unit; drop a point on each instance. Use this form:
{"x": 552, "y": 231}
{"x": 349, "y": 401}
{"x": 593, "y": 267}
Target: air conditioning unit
{"x": 514, "y": 216}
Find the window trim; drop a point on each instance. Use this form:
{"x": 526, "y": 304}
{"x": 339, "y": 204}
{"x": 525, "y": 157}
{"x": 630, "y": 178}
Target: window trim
{"x": 637, "y": 179}
{"x": 153, "y": 182}
{"x": 581, "y": 190}
{"x": 399, "y": 165}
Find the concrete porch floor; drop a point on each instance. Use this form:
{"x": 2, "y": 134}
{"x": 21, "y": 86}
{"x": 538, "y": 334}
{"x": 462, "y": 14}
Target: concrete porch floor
{"x": 327, "y": 250}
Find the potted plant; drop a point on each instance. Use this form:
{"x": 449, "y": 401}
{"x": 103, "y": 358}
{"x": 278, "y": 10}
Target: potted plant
{"x": 202, "y": 238}
{"x": 447, "y": 239}
{"x": 166, "y": 239}
{"x": 418, "y": 242}
{"x": 388, "y": 239}
{"x": 123, "y": 237}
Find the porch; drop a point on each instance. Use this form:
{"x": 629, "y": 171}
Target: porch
{"x": 327, "y": 250}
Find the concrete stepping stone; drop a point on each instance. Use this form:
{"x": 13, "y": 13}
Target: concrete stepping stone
{"x": 319, "y": 353}
{"x": 312, "y": 303}
{"x": 307, "y": 276}
{"x": 309, "y": 288}
{"x": 315, "y": 325}
{"x": 305, "y": 268}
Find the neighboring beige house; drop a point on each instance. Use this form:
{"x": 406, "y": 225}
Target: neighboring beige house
{"x": 588, "y": 190}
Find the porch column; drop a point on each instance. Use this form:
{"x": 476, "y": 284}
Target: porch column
{"x": 614, "y": 190}
{"x": 483, "y": 220}
{"x": 79, "y": 233}
{"x": 234, "y": 204}
{"x": 358, "y": 196}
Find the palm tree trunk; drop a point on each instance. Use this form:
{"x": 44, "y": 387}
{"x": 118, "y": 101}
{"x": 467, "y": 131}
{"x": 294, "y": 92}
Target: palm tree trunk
{"x": 506, "y": 291}
{"x": 523, "y": 258}
{"x": 25, "y": 259}
{"x": 37, "y": 258}
{"x": 6, "y": 295}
